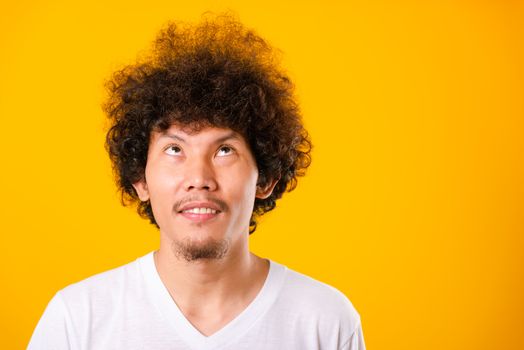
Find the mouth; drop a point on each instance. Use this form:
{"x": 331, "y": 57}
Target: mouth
{"x": 200, "y": 214}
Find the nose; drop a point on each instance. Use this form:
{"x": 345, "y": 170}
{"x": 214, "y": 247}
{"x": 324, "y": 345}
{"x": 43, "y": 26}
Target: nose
{"x": 199, "y": 175}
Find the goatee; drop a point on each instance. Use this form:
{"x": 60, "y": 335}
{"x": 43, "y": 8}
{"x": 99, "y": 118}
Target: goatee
{"x": 191, "y": 250}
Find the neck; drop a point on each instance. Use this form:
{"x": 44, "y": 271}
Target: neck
{"x": 215, "y": 283}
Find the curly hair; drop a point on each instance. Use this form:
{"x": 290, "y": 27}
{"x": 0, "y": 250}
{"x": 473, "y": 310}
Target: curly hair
{"x": 216, "y": 73}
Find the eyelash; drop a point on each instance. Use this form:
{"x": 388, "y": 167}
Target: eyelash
{"x": 221, "y": 147}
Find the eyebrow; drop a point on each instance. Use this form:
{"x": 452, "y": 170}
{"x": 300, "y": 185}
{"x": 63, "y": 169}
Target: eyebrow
{"x": 231, "y": 135}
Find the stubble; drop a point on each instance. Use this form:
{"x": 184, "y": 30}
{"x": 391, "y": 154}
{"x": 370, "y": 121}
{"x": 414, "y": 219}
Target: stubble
{"x": 191, "y": 250}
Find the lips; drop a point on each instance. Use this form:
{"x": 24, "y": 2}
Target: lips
{"x": 199, "y": 212}
{"x": 204, "y": 205}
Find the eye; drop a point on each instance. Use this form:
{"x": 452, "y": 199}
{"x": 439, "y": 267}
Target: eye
{"x": 173, "y": 150}
{"x": 225, "y": 150}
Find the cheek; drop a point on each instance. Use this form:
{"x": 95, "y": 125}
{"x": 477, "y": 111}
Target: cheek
{"x": 161, "y": 185}
{"x": 243, "y": 191}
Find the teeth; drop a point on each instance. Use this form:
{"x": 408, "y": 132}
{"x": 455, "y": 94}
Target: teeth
{"x": 201, "y": 211}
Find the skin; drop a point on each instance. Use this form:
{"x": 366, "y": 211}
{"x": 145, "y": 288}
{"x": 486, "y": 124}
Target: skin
{"x": 209, "y": 262}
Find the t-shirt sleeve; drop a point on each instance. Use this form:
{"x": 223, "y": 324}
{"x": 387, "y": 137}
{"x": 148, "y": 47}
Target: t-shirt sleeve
{"x": 356, "y": 341}
{"x": 53, "y": 330}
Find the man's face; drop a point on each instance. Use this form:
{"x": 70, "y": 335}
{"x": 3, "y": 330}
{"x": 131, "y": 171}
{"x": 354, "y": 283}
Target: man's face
{"x": 202, "y": 188}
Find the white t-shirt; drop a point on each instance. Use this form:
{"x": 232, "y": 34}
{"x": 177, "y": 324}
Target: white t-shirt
{"x": 130, "y": 308}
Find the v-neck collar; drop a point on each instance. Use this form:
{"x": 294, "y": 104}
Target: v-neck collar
{"x": 233, "y": 330}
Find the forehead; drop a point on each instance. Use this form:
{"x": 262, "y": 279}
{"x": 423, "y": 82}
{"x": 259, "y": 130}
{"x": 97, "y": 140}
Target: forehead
{"x": 202, "y": 134}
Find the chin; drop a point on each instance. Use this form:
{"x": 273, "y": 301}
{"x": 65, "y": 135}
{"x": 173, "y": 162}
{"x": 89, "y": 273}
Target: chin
{"x": 197, "y": 250}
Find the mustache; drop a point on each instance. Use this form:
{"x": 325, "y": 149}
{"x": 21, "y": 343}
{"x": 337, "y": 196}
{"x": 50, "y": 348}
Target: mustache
{"x": 217, "y": 201}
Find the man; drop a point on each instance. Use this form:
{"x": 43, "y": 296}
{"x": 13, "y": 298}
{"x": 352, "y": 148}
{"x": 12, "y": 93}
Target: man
{"x": 205, "y": 136}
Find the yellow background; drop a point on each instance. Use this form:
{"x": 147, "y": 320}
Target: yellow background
{"x": 413, "y": 206}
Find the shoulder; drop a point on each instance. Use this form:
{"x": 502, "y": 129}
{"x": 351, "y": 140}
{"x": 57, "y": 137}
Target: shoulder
{"x": 101, "y": 286}
{"x": 81, "y": 307}
{"x": 306, "y": 289}
{"x": 318, "y": 299}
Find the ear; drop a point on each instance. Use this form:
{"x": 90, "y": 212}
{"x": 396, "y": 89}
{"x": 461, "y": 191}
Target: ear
{"x": 264, "y": 192}
{"x": 142, "y": 190}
